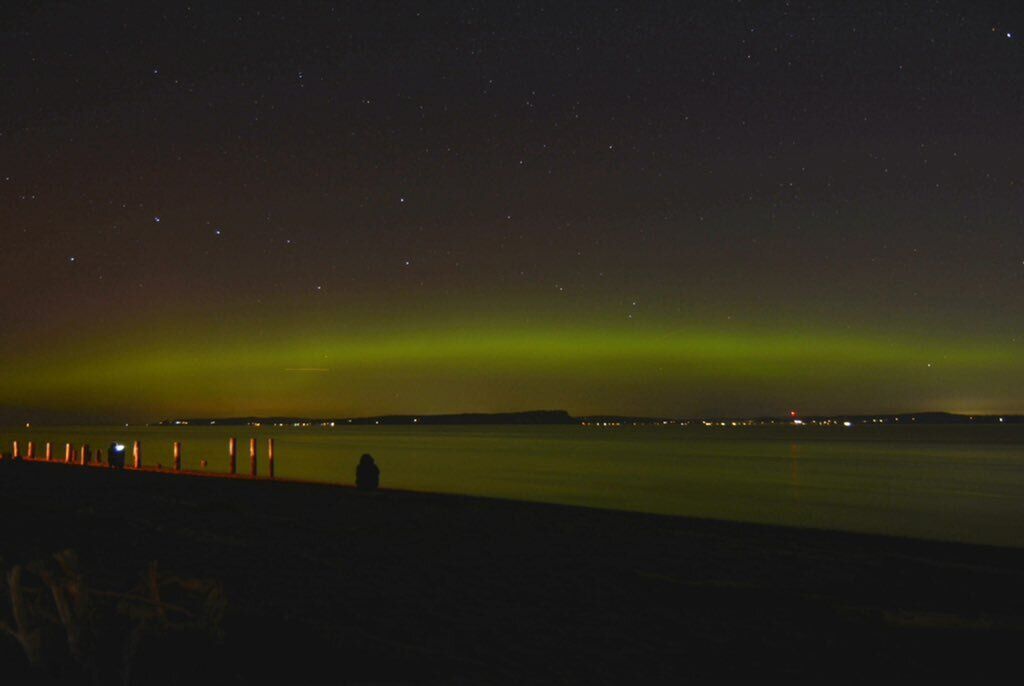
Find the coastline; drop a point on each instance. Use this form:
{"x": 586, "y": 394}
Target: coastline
{"x": 323, "y": 580}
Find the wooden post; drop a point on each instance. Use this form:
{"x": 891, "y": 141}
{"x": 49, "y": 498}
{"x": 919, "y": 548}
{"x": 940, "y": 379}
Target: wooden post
{"x": 69, "y": 453}
{"x": 49, "y": 451}
{"x": 177, "y": 456}
{"x": 84, "y": 457}
{"x": 270, "y": 456}
{"x": 15, "y": 451}
{"x": 252, "y": 457}
{"x": 137, "y": 455}
{"x": 31, "y": 452}
{"x": 232, "y": 453}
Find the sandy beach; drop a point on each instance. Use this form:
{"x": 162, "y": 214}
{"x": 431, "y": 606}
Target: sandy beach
{"x": 326, "y": 584}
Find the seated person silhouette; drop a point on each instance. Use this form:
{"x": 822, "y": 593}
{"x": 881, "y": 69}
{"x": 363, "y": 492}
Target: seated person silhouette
{"x": 367, "y": 474}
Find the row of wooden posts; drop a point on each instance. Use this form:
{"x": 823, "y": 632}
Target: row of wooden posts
{"x": 83, "y": 456}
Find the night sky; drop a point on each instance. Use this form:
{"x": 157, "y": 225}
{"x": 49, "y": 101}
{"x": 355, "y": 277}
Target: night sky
{"x": 672, "y": 209}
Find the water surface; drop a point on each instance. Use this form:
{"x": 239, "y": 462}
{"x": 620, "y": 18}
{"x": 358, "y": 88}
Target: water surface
{"x": 962, "y": 483}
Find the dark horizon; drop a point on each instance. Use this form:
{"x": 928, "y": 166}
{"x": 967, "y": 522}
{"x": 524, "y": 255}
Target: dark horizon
{"x": 549, "y": 417}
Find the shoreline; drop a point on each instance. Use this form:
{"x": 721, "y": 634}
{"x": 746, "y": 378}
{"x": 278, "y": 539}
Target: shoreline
{"x": 414, "y": 586}
{"x": 708, "y": 521}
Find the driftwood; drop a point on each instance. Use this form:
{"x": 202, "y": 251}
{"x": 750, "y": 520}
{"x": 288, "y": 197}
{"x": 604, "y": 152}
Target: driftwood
{"x": 70, "y": 631}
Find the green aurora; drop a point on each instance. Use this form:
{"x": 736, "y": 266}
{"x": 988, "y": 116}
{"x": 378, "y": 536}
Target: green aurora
{"x": 614, "y": 211}
{"x": 316, "y": 371}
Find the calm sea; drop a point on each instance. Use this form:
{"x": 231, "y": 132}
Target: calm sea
{"x": 961, "y": 483}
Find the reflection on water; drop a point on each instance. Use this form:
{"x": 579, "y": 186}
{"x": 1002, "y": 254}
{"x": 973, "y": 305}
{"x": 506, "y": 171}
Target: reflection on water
{"x": 946, "y": 482}
{"x": 794, "y": 470}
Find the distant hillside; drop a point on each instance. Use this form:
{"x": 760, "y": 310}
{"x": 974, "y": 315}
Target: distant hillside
{"x": 919, "y": 418}
{"x": 531, "y": 417}
{"x": 561, "y": 417}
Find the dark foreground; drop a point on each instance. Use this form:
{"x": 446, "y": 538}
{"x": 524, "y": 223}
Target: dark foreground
{"x": 325, "y": 584}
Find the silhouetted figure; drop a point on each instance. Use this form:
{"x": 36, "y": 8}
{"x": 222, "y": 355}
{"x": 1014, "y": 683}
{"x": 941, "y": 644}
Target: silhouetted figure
{"x": 367, "y": 474}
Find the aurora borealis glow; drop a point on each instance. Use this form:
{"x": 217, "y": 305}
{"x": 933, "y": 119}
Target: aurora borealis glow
{"x": 333, "y": 211}
{"x": 489, "y": 368}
